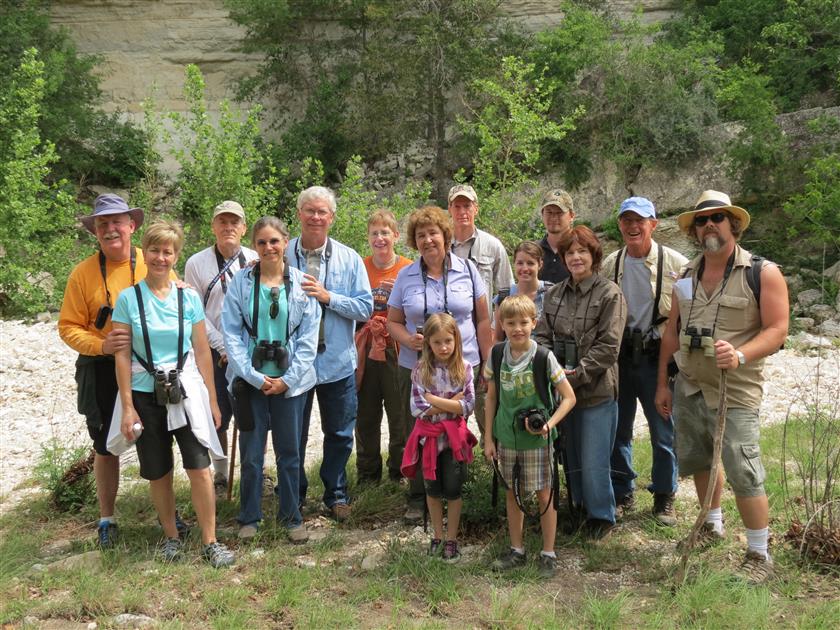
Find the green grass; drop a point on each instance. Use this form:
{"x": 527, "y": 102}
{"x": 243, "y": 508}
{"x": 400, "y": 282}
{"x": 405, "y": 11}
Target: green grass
{"x": 622, "y": 582}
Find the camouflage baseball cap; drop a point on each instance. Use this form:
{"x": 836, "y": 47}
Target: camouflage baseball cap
{"x": 557, "y": 197}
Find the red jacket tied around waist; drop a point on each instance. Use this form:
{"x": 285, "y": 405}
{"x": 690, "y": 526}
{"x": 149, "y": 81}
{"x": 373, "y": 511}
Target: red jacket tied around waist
{"x": 461, "y": 441}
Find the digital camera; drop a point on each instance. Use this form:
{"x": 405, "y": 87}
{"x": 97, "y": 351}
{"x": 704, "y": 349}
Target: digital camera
{"x": 531, "y": 419}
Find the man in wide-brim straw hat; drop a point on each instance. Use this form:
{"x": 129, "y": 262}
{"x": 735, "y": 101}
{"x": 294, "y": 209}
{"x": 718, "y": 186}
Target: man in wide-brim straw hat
{"x": 85, "y": 325}
{"x": 723, "y": 318}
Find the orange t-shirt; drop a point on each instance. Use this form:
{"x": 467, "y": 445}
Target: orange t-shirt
{"x": 377, "y": 276}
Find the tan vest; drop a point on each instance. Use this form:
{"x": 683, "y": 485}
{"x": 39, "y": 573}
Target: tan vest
{"x": 738, "y": 321}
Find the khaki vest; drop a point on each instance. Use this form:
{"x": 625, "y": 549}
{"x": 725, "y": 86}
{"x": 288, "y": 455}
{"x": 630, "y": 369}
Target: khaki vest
{"x": 738, "y": 321}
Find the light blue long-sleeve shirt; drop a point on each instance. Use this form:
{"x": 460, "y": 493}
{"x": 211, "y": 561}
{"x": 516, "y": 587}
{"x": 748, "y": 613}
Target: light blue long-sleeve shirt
{"x": 304, "y": 319}
{"x": 351, "y": 301}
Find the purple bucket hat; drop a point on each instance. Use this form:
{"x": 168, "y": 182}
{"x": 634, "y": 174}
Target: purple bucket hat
{"x": 110, "y": 203}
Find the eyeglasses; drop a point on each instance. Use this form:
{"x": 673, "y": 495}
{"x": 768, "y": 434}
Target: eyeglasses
{"x": 272, "y": 241}
{"x": 311, "y": 212}
{"x": 717, "y": 217}
{"x": 274, "y": 309}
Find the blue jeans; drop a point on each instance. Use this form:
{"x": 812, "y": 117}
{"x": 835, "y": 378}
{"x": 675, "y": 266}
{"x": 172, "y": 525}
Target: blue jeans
{"x": 638, "y": 382}
{"x": 337, "y": 403}
{"x": 590, "y": 433}
{"x": 284, "y": 418}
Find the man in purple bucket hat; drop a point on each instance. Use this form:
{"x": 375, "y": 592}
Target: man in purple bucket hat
{"x": 85, "y": 325}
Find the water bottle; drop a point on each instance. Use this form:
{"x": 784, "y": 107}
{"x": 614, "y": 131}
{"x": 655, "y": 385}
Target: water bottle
{"x": 137, "y": 429}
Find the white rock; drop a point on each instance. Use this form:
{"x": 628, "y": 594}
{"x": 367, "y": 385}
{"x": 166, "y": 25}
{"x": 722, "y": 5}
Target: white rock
{"x": 808, "y": 297}
{"x": 373, "y": 561}
{"x": 833, "y": 272}
{"x": 830, "y": 328}
{"x": 134, "y": 621}
{"x": 821, "y": 312}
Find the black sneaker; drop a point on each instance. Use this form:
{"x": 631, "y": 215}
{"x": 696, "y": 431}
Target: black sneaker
{"x": 107, "y": 535}
{"x": 547, "y": 567}
{"x": 434, "y": 546}
{"x": 218, "y": 555}
{"x": 511, "y": 560}
{"x": 450, "y": 551}
{"x": 663, "y": 509}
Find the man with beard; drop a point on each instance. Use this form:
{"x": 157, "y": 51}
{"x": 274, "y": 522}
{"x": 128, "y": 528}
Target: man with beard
{"x": 729, "y": 311}
{"x": 557, "y": 214}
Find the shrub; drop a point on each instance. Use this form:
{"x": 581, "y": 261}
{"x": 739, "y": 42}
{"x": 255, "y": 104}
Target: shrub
{"x": 37, "y": 228}
{"x": 67, "y": 474}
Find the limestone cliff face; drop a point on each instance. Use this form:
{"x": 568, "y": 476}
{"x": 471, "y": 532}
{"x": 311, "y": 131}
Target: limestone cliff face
{"x": 148, "y": 42}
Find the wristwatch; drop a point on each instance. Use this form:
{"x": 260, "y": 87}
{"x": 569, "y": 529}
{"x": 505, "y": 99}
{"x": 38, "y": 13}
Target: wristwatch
{"x": 741, "y": 358}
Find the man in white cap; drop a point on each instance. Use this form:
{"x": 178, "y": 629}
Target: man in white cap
{"x": 557, "y": 213}
{"x": 209, "y": 272}
{"x": 489, "y": 256}
{"x": 646, "y": 272}
{"x": 84, "y": 324}
{"x": 728, "y": 312}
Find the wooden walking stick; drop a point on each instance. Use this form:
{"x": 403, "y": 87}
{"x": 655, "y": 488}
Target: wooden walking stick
{"x": 713, "y": 475}
{"x": 232, "y": 462}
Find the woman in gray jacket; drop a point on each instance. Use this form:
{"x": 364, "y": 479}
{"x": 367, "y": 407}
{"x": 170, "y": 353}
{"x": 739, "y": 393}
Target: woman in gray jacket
{"x": 270, "y": 328}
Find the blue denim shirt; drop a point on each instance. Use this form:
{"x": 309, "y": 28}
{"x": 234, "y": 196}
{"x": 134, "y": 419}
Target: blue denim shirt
{"x": 304, "y": 318}
{"x": 350, "y": 301}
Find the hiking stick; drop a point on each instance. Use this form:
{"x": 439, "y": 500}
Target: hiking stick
{"x": 713, "y": 475}
{"x": 232, "y": 462}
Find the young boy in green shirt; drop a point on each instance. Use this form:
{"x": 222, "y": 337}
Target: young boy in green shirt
{"x": 511, "y": 441}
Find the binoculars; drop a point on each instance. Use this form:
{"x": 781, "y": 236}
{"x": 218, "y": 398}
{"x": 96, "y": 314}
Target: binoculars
{"x": 566, "y": 351}
{"x": 168, "y": 388}
{"x": 271, "y": 352}
{"x": 692, "y": 340}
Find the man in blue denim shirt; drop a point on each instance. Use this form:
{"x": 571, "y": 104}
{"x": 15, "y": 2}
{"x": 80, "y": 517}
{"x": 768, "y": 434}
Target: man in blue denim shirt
{"x": 334, "y": 275}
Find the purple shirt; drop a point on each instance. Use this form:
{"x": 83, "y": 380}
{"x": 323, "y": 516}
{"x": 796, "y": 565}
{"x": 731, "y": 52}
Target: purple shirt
{"x": 463, "y": 287}
{"x": 441, "y": 386}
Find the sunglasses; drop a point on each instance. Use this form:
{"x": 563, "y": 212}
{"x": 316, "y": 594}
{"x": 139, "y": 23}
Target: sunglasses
{"x": 274, "y": 242}
{"x": 274, "y": 309}
{"x": 717, "y": 217}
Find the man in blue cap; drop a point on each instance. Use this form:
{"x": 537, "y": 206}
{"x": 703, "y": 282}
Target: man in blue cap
{"x": 646, "y": 272}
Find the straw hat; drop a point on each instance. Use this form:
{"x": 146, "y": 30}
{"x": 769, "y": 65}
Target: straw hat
{"x": 712, "y": 200}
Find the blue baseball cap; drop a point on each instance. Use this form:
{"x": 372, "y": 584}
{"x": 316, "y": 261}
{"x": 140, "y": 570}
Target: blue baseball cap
{"x": 640, "y": 205}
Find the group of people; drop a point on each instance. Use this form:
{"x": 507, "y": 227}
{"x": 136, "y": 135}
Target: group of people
{"x": 551, "y": 356}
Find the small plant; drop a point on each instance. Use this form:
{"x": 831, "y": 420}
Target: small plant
{"x": 67, "y": 474}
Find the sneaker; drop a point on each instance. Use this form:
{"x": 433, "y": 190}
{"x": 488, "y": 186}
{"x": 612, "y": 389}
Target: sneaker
{"x": 706, "y": 537}
{"x": 220, "y": 485}
{"x": 170, "y": 549}
{"x": 756, "y": 568}
{"x": 511, "y": 560}
{"x": 598, "y": 529}
{"x": 434, "y": 546}
{"x": 546, "y": 567}
{"x": 450, "y": 551}
{"x": 107, "y": 535}
{"x": 298, "y": 535}
{"x": 624, "y": 505}
{"x": 247, "y": 532}
{"x": 218, "y": 555}
{"x": 663, "y": 509}
{"x": 413, "y": 515}
{"x": 340, "y": 512}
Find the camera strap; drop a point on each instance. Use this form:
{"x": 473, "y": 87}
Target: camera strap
{"x": 148, "y": 363}
{"x": 224, "y": 270}
{"x": 132, "y": 263}
{"x": 425, "y": 276}
{"x": 327, "y": 255}
{"x": 253, "y": 330}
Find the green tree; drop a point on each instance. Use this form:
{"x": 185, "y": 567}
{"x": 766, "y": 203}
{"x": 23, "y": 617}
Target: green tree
{"x": 92, "y": 146}
{"x": 37, "y": 227}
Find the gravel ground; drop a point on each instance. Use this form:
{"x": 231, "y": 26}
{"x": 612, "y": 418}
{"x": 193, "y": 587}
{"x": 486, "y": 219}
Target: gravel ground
{"x": 38, "y": 397}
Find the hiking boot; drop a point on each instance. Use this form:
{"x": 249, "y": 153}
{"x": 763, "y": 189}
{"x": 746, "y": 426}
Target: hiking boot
{"x": 511, "y": 560}
{"x": 247, "y": 532}
{"x": 546, "y": 567}
{"x": 170, "y": 550}
{"x": 434, "y": 546}
{"x": 624, "y": 505}
{"x": 340, "y": 512}
{"x": 413, "y": 515}
{"x": 298, "y": 535}
{"x": 663, "y": 509}
{"x": 598, "y": 529}
{"x": 756, "y": 568}
{"x": 220, "y": 485}
{"x": 218, "y": 555}
{"x": 706, "y": 537}
{"x": 450, "y": 551}
{"x": 107, "y": 535}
